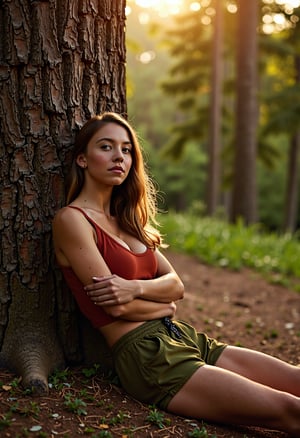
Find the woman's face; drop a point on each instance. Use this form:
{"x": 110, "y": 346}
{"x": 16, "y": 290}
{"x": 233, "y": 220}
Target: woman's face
{"x": 108, "y": 157}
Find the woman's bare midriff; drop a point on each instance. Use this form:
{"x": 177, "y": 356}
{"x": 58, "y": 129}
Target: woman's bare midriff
{"x": 113, "y": 332}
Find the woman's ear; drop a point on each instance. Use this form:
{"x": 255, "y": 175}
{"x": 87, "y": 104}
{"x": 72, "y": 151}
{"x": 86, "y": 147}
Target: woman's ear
{"x": 81, "y": 161}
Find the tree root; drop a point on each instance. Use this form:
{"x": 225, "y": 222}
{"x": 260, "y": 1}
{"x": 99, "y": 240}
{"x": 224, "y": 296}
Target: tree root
{"x": 33, "y": 361}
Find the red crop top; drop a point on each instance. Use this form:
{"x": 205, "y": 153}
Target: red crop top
{"x": 120, "y": 261}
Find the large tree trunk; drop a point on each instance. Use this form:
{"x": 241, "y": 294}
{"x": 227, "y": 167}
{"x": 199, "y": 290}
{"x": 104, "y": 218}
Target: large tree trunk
{"x": 244, "y": 184}
{"x": 60, "y": 63}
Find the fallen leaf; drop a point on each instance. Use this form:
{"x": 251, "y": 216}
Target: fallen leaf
{"x": 6, "y": 387}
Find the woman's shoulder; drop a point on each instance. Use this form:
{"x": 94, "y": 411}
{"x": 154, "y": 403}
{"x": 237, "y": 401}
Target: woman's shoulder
{"x": 63, "y": 214}
{"x": 68, "y": 216}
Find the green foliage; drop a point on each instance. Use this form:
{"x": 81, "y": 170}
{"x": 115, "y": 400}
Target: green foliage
{"x": 173, "y": 120}
{"x": 234, "y": 246}
{"x": 58, "y": 379}
{"x": 189, "y": 79}
{"x": 75, "y": 405}
{"x": 91, "y": 372}
{"x": 152, "y": 113}
{"x": 157, "y": 417}
{"x": 200, "y": 433}
{"x": 5, "y": 420}
{"x": 118, "y": 419}
{"x": 32, "y": 409}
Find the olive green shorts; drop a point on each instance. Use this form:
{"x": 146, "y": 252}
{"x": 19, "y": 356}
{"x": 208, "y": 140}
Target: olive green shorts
{"x": 153, "y": 363}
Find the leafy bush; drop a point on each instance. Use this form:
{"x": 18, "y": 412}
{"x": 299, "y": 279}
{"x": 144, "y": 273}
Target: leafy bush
{"x": 234, "y": 246}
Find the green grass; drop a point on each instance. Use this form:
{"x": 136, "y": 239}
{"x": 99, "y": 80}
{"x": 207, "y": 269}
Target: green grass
{"x": 216, "y": 242}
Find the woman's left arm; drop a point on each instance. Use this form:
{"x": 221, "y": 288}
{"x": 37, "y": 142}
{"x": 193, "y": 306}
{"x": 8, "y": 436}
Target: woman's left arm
{"x": 112, "y": 290}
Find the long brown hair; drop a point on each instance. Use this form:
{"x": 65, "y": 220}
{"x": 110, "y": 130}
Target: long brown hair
{"x": 134, "y": 201}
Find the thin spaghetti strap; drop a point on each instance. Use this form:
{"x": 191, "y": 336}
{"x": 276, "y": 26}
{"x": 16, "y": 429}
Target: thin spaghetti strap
{"x": 90, "y": 220}
{"x": 77, "y": 208}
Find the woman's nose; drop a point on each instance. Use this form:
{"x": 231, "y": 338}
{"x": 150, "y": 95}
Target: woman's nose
{"x": 118, "y": 155}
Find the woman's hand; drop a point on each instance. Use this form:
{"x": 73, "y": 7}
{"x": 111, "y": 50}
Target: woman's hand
{"x": 112, "y": 290}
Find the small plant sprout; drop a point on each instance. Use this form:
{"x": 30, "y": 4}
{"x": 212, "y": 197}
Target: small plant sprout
{"x": 75, "y": 405}
{"x": 5, "y": 420}
{"x": 157, "y": 418}
{"x": 90, "y": 372}
{"x": 58, "y": 379}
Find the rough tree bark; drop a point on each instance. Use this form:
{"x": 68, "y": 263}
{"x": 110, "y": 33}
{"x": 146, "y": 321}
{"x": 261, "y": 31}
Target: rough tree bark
{"x": 60, "y": 63}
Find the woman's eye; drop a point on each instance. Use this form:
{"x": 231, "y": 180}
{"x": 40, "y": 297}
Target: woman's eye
{"x": 127, "y": 150}
{"x": 105, "y": 147}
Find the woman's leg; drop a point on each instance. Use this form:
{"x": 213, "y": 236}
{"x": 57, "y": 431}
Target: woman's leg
{"x": 218, "y": 395}
{"x": 261, "y": 368}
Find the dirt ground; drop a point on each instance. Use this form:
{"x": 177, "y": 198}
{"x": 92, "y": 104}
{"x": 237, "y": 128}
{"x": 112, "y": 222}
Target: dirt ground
{"x": 240, "y": 308}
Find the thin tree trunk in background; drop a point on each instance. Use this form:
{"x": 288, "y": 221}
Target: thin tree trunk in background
{"x": 292, "y": 185}
{"x": 214, "y": 141}
{"x": 60, "y": 63}
{"x": 244, "y": 181}
{"x": 291, "y": 199}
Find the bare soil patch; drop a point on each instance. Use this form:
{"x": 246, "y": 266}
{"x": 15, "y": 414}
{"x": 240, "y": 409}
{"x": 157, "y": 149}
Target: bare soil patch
{"x": 240, "y": 308}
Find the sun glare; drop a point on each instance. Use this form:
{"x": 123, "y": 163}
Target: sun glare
{"x": 163, "y": 7}
{"x": 272, "y": 22}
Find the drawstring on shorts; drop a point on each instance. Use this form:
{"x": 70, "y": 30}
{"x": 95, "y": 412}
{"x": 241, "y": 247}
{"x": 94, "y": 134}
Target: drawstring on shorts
{"x": 172, "y": 328}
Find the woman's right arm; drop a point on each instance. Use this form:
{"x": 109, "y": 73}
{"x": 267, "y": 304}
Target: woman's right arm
{"x": 141, "y": 310}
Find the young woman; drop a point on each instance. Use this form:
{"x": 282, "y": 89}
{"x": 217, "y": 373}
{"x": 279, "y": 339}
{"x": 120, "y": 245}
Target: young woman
{"x": 110, "y": 257}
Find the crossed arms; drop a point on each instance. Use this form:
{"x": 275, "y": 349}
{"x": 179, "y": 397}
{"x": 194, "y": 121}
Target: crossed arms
{"x": 133, "y": 300}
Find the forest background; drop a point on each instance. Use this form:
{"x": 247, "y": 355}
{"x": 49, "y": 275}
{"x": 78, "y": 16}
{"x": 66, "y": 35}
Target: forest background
{"x": 230, "y": 72}
{"x": 169, "y": 88}
{"x": 62, "y": 62}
